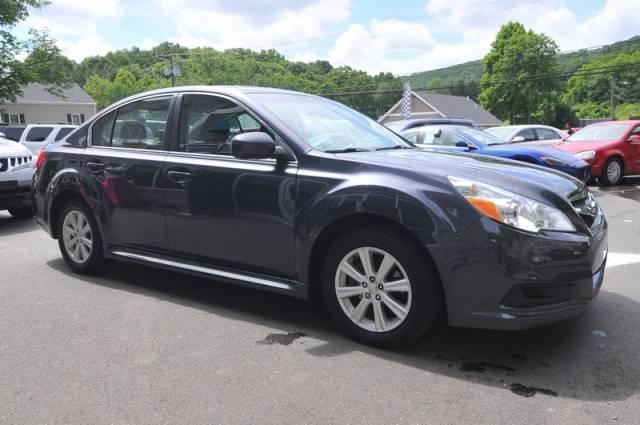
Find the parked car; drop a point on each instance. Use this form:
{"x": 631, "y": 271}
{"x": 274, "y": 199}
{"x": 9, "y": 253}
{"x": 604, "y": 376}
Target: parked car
{"x": 300, "y": 195}
{"x": 540, "y": 135}
{"x": 465, "y": 139}
{"x": 400, "y": 126}
{"x": 612, "y": 148}
{"x": 12, "y": 131}
{"x": 36, "y": 136}
{"x": 16, "y": 171}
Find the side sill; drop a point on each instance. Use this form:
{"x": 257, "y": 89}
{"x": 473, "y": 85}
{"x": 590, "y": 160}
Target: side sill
{"x": 252, "y": 280}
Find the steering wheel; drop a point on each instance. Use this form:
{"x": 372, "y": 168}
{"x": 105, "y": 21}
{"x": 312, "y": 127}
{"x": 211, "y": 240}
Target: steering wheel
{"x": 327, "y": 142}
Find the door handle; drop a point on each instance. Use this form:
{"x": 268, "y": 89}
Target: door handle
{"x": 179, "y": 176}
{"x": 95, "y": 166}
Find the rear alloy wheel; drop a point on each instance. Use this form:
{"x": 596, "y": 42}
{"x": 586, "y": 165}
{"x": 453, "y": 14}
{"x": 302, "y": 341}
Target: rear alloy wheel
{"x": 21, "y": 213}
{"x": 379, "y": 288}
{"x": 79, "y": 239}
{"x": 612, "y": 173}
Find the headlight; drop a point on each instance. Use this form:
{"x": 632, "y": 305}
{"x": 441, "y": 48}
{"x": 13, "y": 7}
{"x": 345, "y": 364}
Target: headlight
{"x": 512, "y": 209}
{"x": 552, "y": 161}
{"x": 586, "y": 155}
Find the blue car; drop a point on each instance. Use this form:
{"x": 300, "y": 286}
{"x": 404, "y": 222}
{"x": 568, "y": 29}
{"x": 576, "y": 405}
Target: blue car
{"x": 464, "y": 139}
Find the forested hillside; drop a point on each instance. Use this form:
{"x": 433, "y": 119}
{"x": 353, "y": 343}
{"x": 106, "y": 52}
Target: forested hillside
{"x": 125, "y": 72}
{"x": 472, "y": 71}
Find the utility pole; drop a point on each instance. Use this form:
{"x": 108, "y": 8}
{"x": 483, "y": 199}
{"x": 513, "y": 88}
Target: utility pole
{"x": 173, "y": 73}
{"x": 612, "y": 100}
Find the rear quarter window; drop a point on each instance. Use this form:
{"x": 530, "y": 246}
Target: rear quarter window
{"x": 38, "y": 134}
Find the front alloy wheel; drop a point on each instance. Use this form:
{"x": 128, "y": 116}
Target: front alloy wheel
{"x": 379, "y": 287}
{"x": 613, "y": 172}
{"x": 373, "y": 289}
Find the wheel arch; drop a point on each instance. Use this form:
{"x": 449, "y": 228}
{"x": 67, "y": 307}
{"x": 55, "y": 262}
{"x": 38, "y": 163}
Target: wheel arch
{"x": 352, "y": 221}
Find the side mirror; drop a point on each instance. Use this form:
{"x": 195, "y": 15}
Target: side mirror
{"x": 254, "y": 145}
{"x": 463, "y": 144}
{"x": 257, "y": 145}
{"x": 518, "y": 139}
{"x": 635, "y": 139}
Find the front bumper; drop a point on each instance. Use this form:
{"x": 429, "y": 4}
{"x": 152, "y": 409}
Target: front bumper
{"x": 503, "y": 278}
{"x": 15, "y": 188}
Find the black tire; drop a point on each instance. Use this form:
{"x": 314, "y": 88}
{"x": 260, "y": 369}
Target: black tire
{"x": 426, "y": 295}
{"x": 604, "y": 178}
{"x": 95, "y": 261}
{"x": 21, "y": 213}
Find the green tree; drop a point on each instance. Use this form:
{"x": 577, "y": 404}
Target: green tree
{"x": 511, "y": 87}
{"x": 44, "y": 62}
{"x": 594, "y": 81}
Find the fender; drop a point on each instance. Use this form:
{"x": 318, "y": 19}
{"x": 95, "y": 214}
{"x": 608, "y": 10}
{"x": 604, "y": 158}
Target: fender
{"x": 71, "y": 180}
{"x": 395, "y": 198}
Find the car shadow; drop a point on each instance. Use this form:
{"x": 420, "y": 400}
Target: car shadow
{"x": 574, "y": 359}
{"x": 12, "y": 226}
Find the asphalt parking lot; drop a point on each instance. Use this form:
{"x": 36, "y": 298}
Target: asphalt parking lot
{"x": 140, "y": 346}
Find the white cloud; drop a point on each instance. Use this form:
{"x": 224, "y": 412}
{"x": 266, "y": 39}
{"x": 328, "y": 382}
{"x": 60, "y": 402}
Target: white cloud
{"x": 148, "y": 43}
{"x": 475, "y": 25}
{"x": 252, "y": 24}
{"x": 370, "y": 47}
{"x": 304, "y": 57}
{"x": 74, "y": 25}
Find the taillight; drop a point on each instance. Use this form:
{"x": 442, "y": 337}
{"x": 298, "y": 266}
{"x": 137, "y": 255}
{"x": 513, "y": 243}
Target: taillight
{"x": 42, "y": 157}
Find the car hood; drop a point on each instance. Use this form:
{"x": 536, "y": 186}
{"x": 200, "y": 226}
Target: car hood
{"x": 539, "y": 183}
{"x": 11, "y": 148}
{"x": 538, "y": 152}
{"x": 575, "y": 147}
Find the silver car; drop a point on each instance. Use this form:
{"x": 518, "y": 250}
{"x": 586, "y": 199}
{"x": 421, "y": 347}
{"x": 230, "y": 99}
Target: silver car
{"x": 540, "y": 135}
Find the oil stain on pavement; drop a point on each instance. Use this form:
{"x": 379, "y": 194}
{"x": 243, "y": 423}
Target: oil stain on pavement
{"x": 282, "y": 339}
{"x": 525, "y": 391}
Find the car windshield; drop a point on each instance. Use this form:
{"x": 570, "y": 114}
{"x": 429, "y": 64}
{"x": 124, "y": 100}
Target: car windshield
{"x": 329, "y": 126}
{"x": 481, "y": 136}
{"x": 395, "y": 126}
{"x": 599, "y": 132}
{"x": 500, "y": 132}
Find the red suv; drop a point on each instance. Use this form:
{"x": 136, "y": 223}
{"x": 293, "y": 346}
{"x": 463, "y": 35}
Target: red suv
{"x": 612, "y": 148}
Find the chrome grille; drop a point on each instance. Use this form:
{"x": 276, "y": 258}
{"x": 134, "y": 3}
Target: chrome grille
{"x": 9, "y": 163}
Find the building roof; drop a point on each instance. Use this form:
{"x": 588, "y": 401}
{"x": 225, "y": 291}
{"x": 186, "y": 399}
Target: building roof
{"x": 35, "y": 92}
{"x": 458, "y": 107}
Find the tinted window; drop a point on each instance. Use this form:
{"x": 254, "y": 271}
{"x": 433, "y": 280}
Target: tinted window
{"x": 101, "y": 133}
{"x": 142, "y": 124}
{"x": 79, "y": 138}
{"x": 208, "y": 123}
{"x": 412, "y": 137}
{"x": 63, "y": 132}
{"x": 12, "y": 133}
{"x": 38, "y": 134}
{"x": 634, "y": 132}
{"x": 528, "y": 134}
{"x": 546, "y": 134}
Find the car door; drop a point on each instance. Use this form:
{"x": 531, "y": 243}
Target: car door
{"x": 124, "y": 160}
{"x": 223, "y": 210}
{"x": 632, "y": 153}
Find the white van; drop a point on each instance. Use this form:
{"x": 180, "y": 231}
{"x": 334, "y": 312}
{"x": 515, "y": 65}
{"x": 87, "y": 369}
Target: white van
{"x": 37, "y": 136}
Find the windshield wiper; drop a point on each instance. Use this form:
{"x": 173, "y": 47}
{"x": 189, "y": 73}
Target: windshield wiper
{"x": 393, "y": 147}
{"x": 347, "y": 150}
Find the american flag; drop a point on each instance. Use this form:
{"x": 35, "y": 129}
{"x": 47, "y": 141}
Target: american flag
{"x": 406, "y": 101}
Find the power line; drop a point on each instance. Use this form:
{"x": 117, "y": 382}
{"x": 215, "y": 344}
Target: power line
{"x": 595, "y": 71}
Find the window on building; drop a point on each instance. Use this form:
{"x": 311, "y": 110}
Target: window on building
{"x": 75, "y": 119}
{"x": 13, "y": 118}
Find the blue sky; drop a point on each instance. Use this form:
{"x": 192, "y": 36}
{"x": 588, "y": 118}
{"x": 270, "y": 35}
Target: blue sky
{"x": 395, "y": 36}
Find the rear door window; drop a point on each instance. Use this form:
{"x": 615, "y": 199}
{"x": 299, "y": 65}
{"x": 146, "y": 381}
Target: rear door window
{"x": 38, "y": 134}
{"x": 142, "y": 124}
